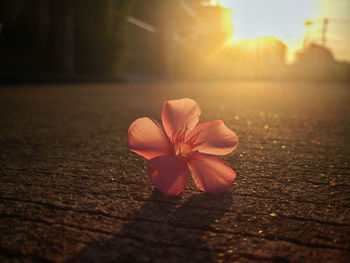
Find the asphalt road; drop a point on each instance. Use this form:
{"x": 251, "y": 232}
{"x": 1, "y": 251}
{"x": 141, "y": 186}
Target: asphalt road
{"x": 71, "y": 191}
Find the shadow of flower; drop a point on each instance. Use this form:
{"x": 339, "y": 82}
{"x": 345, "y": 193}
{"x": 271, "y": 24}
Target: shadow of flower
{"x": 164, "y": 229}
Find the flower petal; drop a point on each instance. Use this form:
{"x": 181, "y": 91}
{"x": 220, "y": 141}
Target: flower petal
{"x": 146, "y": 137}
{"x": 210, "y": 173}
{"x": 179, "y": 115}
{"x": 213, "y": 137}
{"x": 168, "y": 174}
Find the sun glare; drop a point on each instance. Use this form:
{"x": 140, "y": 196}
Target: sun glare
{"x": 281, "y": 19}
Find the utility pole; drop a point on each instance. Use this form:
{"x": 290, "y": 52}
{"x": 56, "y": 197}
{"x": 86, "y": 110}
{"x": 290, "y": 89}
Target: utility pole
{"x": 324, "y": 31}
{"x": 307, "y": 25}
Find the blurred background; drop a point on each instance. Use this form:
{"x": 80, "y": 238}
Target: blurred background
{"x": 175, "y": 39}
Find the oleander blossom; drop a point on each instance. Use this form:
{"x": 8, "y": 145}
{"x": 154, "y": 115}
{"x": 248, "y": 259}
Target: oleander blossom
{"x": 182, "y": 147}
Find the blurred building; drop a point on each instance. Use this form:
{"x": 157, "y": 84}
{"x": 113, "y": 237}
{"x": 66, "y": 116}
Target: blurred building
{"x": 317, "y": 62}
{"x": 259, "y": 58}
{"x": 66, "y": 37}
{"x": 179, "y": 40}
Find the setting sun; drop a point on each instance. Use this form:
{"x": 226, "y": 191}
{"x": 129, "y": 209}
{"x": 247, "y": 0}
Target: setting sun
{"x": 281, "y": 19}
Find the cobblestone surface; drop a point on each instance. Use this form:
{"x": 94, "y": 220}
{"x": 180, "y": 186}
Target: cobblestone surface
{"x": 71, "y": 191}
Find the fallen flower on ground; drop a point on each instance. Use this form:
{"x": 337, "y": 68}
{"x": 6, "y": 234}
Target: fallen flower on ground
{"x": 182, "y": 147}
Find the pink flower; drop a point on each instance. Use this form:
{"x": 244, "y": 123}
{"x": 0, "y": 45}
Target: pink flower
{"x": 182, "y": 146}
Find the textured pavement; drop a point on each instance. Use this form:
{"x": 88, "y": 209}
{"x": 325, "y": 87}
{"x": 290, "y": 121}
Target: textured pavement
{"x": 71, "y": 191}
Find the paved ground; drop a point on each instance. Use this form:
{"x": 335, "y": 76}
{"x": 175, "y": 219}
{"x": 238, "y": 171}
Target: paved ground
{"x": 71, "y": 191}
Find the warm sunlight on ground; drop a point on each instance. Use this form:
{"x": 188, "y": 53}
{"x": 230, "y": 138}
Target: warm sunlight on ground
{"x": 281, "y": 19}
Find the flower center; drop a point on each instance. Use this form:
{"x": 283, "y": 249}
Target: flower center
{"x": 182, "y": 149}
